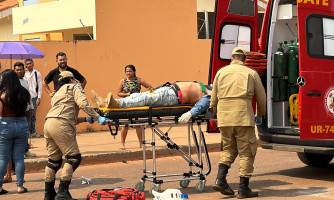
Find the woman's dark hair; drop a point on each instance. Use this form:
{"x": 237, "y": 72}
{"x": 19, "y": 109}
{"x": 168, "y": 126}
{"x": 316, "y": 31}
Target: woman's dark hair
{"x": 65, "y": 80}
{"x": 131, "y": 67}
{"x": 16, "y": 95}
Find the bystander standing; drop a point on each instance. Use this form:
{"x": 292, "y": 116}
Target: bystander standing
{"x": 34, "y": 79}
{"x": 54, "y": 74}
{"x": 19, "y": 70}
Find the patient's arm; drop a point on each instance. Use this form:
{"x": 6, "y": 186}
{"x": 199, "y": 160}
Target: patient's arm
{"x": 201, "y": 106}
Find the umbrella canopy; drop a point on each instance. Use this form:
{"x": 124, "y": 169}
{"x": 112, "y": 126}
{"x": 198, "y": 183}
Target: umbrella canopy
{"x": 19, "y": 51}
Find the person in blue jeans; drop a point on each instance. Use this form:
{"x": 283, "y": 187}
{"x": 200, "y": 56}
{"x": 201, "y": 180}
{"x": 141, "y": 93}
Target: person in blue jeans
{"x": 14, "y": 100}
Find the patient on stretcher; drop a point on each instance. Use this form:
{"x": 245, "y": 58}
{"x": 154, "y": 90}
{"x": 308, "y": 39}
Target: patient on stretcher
{"x": 164, "y": 95}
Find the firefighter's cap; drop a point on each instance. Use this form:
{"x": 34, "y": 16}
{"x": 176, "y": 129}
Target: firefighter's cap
{"x": 239, "y": 51}
{"x": 66, "y": 74}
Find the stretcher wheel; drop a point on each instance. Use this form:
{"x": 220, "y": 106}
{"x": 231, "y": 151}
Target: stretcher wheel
{"x": 156, "y": 187}
{"x": 140, "y": 186}
{"x": 184, "y": 183}
{"x": 200, "y": 186}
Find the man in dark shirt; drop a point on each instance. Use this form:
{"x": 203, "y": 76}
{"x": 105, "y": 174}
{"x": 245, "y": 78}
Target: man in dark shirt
{"x": 54, "y": 74}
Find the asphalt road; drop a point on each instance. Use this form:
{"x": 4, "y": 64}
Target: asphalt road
{"x": 277, "y": 175}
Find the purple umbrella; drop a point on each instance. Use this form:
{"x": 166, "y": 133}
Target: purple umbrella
{"x": 19, "y": 51}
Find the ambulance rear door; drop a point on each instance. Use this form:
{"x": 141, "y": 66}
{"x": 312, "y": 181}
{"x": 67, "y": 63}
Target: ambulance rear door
{"x": 316, "y": 66}
{"x": 236, "y": 24}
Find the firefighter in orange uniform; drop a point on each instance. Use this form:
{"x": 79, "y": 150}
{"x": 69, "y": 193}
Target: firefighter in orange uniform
{"x": 233, "y": 89}
{"x": 60, "y": 134}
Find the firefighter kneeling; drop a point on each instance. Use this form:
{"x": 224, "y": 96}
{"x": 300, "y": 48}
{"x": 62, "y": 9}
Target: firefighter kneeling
{"x": 60, "y": 134}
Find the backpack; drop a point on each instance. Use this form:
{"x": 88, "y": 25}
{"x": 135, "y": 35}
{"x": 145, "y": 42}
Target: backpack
{"x": 117, "y": 193}
{"x": 36, "y": 82}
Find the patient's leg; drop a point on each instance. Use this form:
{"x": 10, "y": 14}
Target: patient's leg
{"x": 99, "y": 101}
{"x": 161, "y": 97}
{"x": 111, "y": 102}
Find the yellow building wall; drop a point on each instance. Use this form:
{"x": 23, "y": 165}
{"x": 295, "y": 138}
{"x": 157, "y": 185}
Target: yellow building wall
{"x": 56, "y": 36}
{"x": 158, "y": 37}
{"x": 46, "y": 1}
{"x": 6, "y": 27}
{"x": 53, "y": 16}
{"x": 206, "y": 5}
{"x": 68, "y": 34}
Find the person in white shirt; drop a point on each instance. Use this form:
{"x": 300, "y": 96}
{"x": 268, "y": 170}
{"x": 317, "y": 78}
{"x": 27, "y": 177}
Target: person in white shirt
{"x": 34, "y": 79}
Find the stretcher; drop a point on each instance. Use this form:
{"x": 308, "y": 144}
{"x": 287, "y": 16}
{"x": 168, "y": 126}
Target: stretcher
{"x": 166, "y": 116}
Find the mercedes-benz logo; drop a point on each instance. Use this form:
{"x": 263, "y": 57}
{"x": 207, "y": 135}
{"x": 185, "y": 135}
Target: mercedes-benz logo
{"x": 301, "y": 81}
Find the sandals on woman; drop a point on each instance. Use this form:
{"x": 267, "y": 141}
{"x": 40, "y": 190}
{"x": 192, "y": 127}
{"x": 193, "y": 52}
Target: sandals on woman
{"x": 3, "y": 191}
{"x": 23, "y": 191}
{"x": 122, "y": 148}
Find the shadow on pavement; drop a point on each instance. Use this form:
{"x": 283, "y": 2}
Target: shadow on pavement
{"x": 307, "y": 172}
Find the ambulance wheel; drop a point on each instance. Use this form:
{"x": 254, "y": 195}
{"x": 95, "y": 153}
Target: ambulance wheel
{"x": 184, "y": 183}
{"x": 200, "y": 186}
{"x": 140, "y": 186}
{"x": 313, "y": 159}
{"x": 156, "y": 187}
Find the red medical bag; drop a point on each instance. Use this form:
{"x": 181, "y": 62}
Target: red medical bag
{"x": 117, "y": 193}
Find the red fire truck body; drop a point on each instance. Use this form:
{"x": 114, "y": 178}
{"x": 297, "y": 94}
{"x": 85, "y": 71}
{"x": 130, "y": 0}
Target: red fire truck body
{"x": 300, "y": 110}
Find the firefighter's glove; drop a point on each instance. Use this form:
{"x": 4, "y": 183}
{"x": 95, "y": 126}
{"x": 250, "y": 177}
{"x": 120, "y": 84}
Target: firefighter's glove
{"x": 90, "y": 119}
{"x": 258, "y": 120}
{"x": 103, "y": 120}
{"x": 185, "y": 117}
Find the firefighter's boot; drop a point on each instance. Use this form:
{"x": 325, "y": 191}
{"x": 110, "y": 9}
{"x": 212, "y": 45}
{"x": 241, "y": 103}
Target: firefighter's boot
{"x": 63, "y": 191}
{"x": 50, "y": 191}
{"x": 244, "y": 191}
{"x": 221, "y": 184}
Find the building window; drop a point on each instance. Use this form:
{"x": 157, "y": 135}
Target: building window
{"x": 320, "y": 36}
{"x": 33, "y": 39}
{"x": 233, "y": 35}
{"x": 201, "y": 25}
{"x": 82, "y": 37}
{"x": 30, "y": 2}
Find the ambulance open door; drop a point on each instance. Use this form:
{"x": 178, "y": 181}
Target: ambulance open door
{"x": 236, "y": 24}
{"x": 316, "y": 67}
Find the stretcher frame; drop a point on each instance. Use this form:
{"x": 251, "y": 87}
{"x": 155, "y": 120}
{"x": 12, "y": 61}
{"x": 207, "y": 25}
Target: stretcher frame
{"x": 196, "y": 163}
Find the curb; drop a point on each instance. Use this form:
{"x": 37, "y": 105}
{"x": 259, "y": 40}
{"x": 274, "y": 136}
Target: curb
{"x": 123, "y": 156}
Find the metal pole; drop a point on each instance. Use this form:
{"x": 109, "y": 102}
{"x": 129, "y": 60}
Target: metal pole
{"x": 86, "y": 30}
{"x": 206, "y": 21}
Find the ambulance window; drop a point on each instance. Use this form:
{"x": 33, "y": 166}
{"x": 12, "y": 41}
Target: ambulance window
{"x": 328, "y": 37}
{"x": 320, "y": 34}
{"x": 233, "y": 35}
{"x": 242, "y": 7}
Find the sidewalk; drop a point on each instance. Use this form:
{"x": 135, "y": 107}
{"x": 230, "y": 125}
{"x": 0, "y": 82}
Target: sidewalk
{"x": 101, "y": 147}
